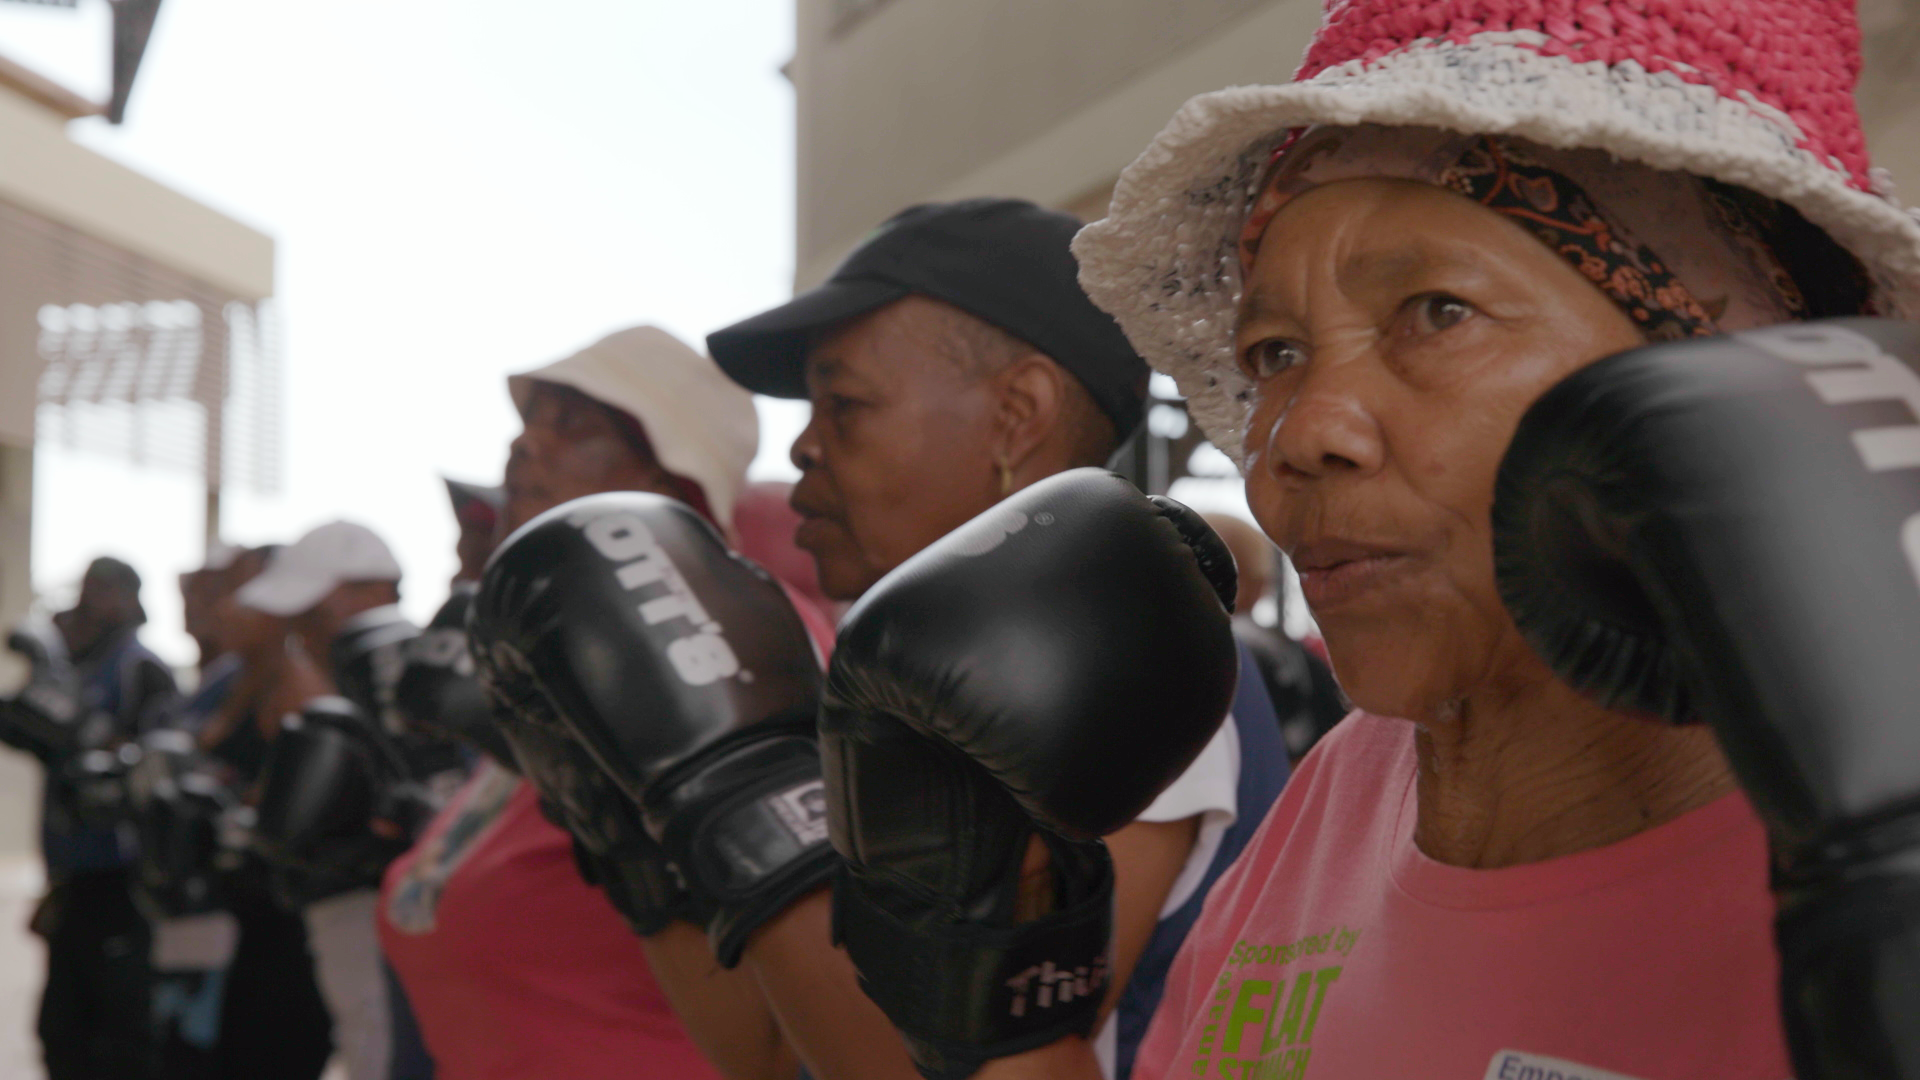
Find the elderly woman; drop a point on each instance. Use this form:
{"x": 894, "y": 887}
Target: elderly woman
{"x": 515, "y": 967}
{"x": 1362, "y": 280}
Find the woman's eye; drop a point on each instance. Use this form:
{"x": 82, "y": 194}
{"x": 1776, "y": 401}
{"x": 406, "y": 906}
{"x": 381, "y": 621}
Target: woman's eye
{"x": 1438, "y": 311}
{"x": 1265, "y": 359}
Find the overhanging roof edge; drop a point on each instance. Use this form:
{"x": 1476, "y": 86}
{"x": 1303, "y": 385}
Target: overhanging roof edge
{"x": 43, "y": 171}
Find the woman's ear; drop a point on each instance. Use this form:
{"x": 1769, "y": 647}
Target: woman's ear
{"x": 1032, "y": 402}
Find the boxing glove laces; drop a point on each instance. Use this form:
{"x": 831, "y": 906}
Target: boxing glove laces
{"x": 1727, "y": 531}
{"x": 1045, "y": 670}
{"x": 685, "y": 673}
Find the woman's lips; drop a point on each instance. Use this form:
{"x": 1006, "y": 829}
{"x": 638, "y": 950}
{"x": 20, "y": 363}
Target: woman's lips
{"x": 811, "y": 533}
{"x": 1335, "y": 572}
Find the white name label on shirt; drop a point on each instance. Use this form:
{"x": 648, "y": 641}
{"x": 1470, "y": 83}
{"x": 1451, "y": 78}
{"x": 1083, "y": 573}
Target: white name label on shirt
{"x": 1516, "y": 1065}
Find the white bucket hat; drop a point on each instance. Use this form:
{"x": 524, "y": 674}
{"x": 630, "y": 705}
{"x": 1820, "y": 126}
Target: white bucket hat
{"x": 702, "y": 424}
{"x": 1757, "y": 94}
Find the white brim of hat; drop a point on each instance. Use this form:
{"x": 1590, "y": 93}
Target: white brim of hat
{"x": 1165, "y": 262}
{"x": 301, "y": 574}
{"x": 288, "y": 592}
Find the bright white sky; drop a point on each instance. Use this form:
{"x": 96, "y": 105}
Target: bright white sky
{"x": 459, "y": 189}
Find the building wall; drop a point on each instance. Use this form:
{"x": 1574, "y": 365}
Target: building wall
{"x": 19, "y": 774}
{"x": 904, "y": 101}
{"x": 1889, "y": 96}
{"x": 907, "y": 100}
{"x": 19, "y": 379}
{"x": 76, "y": 227}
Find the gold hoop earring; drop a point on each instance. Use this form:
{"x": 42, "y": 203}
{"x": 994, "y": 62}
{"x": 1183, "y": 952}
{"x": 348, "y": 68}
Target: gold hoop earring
{"x": 1006, "y": 480}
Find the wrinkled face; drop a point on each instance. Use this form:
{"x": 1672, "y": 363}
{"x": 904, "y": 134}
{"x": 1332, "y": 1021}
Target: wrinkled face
{"x": 1396, "y": 332}
{"x": 899, "y": 451}
{"x": 572, "y": 446}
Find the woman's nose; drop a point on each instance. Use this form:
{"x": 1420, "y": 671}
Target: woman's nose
{"x": 1327, "y": 427}
{"x": 520, "y": 450}
{"x": 805, "y": 453}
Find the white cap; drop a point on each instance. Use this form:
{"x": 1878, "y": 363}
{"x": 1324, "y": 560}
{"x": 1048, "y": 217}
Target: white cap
{"x": 301, "y": 574}
{"x": 701, "y": 423}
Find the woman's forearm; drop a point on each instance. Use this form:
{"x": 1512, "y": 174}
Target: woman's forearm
{"x": 837, "y": 1030}
{"x": 722, "y": 1010}
{"x": 1069, "y": 1059}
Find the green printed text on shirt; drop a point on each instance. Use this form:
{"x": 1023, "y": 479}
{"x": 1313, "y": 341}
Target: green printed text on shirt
{"x": 1261, "y": 1019}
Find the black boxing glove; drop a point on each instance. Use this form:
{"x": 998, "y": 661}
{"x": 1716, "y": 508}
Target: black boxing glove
{"x": 46, "y": 720}
{"x": 1046, "y": 669}
{"x": 329, "y": 777}
{"x": 45, "y": 717}
{"x": 369, "y": 658}
{"x": 611, "y": 847}
{"x": 181, "y": 804}
{"x": 41, "y": 645}
{"x": 686, "y": 674}
{"x": 437, "y": 692}
{"x": 1728, "y": 530}
{"x": 95, "y": 783}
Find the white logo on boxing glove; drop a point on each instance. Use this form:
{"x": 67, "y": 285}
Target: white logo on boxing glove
{"x": 991, "y": 531}
{"x": 700, "y": 657}
{"x": 1878, "y": 377}
{"x": 1053, "y": 985}
{"x": 803, "y": 810}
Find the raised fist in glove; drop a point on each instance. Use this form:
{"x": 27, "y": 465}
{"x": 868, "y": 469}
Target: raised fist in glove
{"x": 1043, "y": 671}
{"x": 1728, "y": 530}
{"x": 686, "y": 674}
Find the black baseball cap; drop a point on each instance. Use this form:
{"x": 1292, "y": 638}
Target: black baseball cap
{"x": 1003, "y": 261}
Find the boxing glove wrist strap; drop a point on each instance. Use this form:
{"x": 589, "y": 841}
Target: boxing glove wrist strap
{"x": 964, "y": 994}
{"x": 745, "y": 821}
{"x": 643, "y": 886}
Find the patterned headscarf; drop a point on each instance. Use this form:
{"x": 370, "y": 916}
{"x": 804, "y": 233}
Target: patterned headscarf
{"x": 1730, "y": 255}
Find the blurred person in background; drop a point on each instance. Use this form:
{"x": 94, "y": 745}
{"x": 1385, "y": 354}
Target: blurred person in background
{"x": 272, "y": 1022}
{"x": 516, "y": 967}
{"x": 337, "y": 589}
{"x": 951, "y": 361}
{"x": 192, "y": 945}
{"x": 206, "y": 597}
{"x": 437, "y": 691}
{"x": 476, "y": 509}
{"x": 96, "y": 1009}
{"x": 1306, "y": 699}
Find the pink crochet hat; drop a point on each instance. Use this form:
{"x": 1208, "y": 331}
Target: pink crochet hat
{"x": 1756, "y": 93}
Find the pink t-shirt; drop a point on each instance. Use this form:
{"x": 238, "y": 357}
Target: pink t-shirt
{"x": 515, "y": 968}
{"x": 1334, "y": 950}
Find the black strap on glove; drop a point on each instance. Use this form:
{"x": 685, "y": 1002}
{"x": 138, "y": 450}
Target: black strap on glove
{"x": 994, "y": 991}
{"x": 746, "y": 822}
